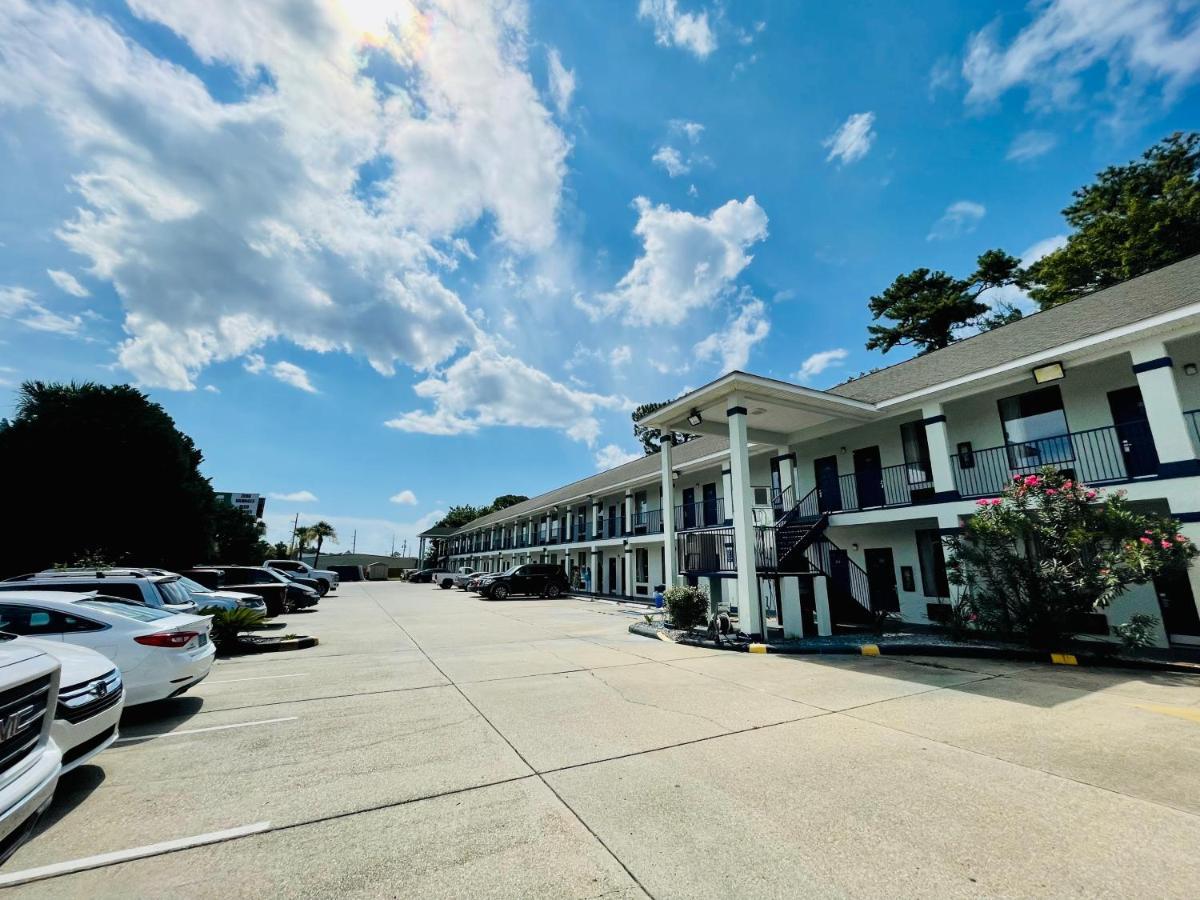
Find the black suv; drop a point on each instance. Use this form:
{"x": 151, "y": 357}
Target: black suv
{"x": 533, "y": 578}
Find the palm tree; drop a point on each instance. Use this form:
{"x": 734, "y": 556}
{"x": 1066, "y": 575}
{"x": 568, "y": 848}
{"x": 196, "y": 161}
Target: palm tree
{"x": 319, "y": 533}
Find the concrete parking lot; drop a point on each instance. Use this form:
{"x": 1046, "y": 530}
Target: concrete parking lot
{"x": 438, "y": 745}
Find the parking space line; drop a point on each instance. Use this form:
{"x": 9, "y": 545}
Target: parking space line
{"x": 258, "y": 678}
{"x": 119, "y": 856}
{"x": 144, "y": 737}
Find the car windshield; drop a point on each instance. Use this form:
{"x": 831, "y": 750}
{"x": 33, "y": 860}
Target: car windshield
{"x": 512, "y": 570}
{"x": 126, "y": 608}
{"x": 192, "y": 587}
{"x": 174, "y": 592}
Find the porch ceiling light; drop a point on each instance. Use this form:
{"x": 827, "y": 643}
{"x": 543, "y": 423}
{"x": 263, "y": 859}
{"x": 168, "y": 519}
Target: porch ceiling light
{"x": 694, "y": 418}
{"x": 1049, "y": 372}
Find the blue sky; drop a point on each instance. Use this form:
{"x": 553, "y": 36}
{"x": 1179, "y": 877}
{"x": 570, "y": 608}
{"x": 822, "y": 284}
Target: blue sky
{"x": 382, "y": 257}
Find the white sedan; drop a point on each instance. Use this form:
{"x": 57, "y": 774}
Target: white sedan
{"x": 160, "y": 654}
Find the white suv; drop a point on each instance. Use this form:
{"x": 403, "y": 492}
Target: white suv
{"x": 153, "y": 587}
{"x": 327, "y": 579}
{"x": 30, "y": 761}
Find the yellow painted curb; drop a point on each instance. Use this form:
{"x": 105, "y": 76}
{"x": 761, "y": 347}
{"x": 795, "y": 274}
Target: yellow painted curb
{"x": 758, "y": 648}
{"x": 1064, "y": 659}
{"x": 870, "y": 649}
{"x": 1179, "y": 712}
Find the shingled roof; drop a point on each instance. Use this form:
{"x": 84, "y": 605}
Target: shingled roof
{"x": 603, "y": 481}
{"x": 1127, "y": 303}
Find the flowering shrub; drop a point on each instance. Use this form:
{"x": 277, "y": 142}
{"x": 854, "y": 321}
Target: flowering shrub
{"x": 1034, "y": 560}
{"x": 687, "y": 605}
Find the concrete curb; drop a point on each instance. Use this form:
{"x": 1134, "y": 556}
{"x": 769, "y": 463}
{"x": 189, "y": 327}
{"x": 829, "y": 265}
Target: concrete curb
{"x": 917, "y": 648}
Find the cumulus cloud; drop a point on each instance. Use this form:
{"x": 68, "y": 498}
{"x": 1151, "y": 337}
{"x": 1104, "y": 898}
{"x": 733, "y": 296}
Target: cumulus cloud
{"x": 323, "y": 205}
{"x": 731, "y": 346}
{"x": 687, "y": 261}
{"x": 404, "y": 498}
{"x": 671, "y": 160}
{"x": 1141, "y": 43}
{"x": 562, "y": 81}
{"x": 819, "y": 362}
{"x": 487, "y": 388}
{"x": 20, "y": 305}
{"x": 960, "y": 217}
{"x": 290, "y": 373}
{"x": 675, "y": 28}
{"x": 853, "y": 139}
{"x": 295, "y": 497}
{"x": 1030, "y": 145}
{"x": 67, "y": 283}
{"x": 610, "y": 456}
{"x": 691, "y": 130}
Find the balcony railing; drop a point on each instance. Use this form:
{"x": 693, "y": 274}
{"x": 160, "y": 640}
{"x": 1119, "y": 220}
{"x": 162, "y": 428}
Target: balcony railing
{"x": 1193, "y": 419}
{"x": 711, "y": 550}
{"x": 647, "y": 521}
{"x": 702, "y": 514}
{"x": 580, "y": 532}
{"x": 901, "y": 485}
{"x": 1098, "y": 455}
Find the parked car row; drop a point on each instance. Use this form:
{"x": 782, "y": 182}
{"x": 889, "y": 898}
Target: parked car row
{"x": 78, "y": 646}
{"x": 525, "y": 580}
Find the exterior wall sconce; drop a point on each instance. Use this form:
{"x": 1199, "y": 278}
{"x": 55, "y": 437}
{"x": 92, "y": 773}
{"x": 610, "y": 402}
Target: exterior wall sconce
{"x": 1049, "y": 372}
{"x": 1190, "y": 369}
{"x": 694, "y": 418}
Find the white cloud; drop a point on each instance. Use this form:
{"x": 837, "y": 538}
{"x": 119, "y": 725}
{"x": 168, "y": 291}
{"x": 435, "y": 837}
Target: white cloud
{"x": 562, "y": 81}
{"x": 290, "y": 373}
{"x": 18, "y": 304}
{"x": 673, "y": 28}
{"x": 687, "y": 261}
{"x": 1043, "y": 248}
{"x": 1011, "y": 295}
{"x": 691, "y": 130}
{"x": 610, "y": 456}
{"x": 1138, "y": 42}
{"x": 671, "y": 160}
{"x": 404, "y": 498}
{"x": 212, "y": 389}
{"x": 334, "y": 192}
{"x": 819, "y": 362}
{"x": 295, "y": 497}
{"x": 1030, "y": 145}
{"x": 852, "y": 141}
{"x": 486, "y": 388}
{"x": 960, "y": 217}
{"x": 67, "y": 283}
{"x": 732, "y": 344}
{"x": 621, "y": 355}
{"x": 254, "y": 363}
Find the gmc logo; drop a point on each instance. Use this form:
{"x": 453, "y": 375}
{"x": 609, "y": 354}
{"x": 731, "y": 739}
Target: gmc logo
{"x": 13, "y": 724}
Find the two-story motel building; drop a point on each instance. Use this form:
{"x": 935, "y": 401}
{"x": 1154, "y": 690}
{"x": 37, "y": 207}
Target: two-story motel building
{"x": 801, "y": 510}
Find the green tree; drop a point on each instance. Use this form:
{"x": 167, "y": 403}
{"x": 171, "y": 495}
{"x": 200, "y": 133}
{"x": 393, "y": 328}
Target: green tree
{"x": 649, "y": 437}
{"x": 1033, "y": 561}
{"x": 504, "y": 501}
{"x": 237, "y": 537}
{"x": 321, "y": 532}
{"x": 929, "y": 307}
{"x": 458, "y": 516}
{"x": 100, "y": 470}
{"x": 1133, "y": 219}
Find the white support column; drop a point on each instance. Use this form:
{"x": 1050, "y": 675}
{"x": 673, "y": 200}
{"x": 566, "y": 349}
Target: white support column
{"x": 1156, "y": 377}
{"x": 670, "y": 559}
{"x": 938, "y": 438}
{"x": 627, "y": 572}
{"x": 821, "y": 601}
{"x": 787, "y": 472}
{"x": 570, "y": 535}
{"x": 749, "y": 612}
{"x": 789, "y": 607}
{"x": 727, "y": 493}
{"x": 597, "y": 508}
{"x": 627, "y": 523}
{"x": 595, "y": 561}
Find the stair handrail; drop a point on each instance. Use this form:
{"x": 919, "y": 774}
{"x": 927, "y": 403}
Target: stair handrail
{"x": 859, "y": 588}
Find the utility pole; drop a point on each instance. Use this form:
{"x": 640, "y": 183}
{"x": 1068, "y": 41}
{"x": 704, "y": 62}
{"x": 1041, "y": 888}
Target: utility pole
{"x": 393, "y": 553}
{"x": 354, "y": 540}
{"x": 295, "y": 528}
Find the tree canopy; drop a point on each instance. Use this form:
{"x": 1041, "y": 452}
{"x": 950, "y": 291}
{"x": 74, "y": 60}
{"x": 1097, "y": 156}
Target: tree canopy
{"x": 928, "y": 308}
{"x": 1131, "y": 220}
{"x": 89, "y": 470}
{"x": 649, "y": 437}
{"x": 458, "y": 516}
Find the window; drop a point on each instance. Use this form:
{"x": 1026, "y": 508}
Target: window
{"x": 933, "y": 563}
{"x": 641, "y": 565}
{"x": 34, "y": 621}
{"x": 1035, "y": 428}
{"x": 916, "y": 452}
{"x": 127, "y": 609}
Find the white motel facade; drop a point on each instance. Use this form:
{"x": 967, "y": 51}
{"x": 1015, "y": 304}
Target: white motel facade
{"x": 803, "y": 511}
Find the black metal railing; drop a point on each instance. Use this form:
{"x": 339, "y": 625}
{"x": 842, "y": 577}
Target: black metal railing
{"x": 1193, "y": 419}
{"x": 701, "y": 514}
{"x": 844, "y": 574}
{"x": 599, "y": 533}
{"x": 900, "y": 485}
{"x": 1098, "y": 455}
{"x": 647, "y": 521}
{"x": 711, "y": 550}
{"x": 580, "y": 532}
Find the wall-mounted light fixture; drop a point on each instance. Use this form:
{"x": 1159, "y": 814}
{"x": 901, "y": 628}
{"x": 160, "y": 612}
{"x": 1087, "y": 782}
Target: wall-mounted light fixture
{"x": 674, "y": 476}
{"x": 1049, "y": 372}
{"x": 694, "y": 418}
{"x": 1190, "y": 369}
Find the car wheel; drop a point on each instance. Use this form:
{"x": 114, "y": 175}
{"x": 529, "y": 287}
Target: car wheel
{"x": 447, "y": 584}
{"x": 552, "y": 591}
{"x": 499, "y": 592}
{"x": 322, "y": 588}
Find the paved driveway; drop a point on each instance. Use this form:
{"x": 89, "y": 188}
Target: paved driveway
{"x": 437, "y": 745}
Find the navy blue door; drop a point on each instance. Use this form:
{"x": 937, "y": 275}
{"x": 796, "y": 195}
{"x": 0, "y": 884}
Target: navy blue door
{"x": 829, "y": 492}
{"x": 689, "y": 507}
{"x": 710, "y": 505}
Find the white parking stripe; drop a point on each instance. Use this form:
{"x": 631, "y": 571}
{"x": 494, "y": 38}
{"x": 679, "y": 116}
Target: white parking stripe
{"x": 143, "y": 737}
{"x": 107, "y": 859}
{"x": 257, "y": 678}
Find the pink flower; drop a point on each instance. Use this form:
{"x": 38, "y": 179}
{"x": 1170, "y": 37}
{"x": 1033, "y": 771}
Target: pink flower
{"x": 1031, "y": 480}
{"x": 1104, "y": 571}
{"x": 1051, "y": 491}
{"x": 1180, "y": 539}
{"x": 1166, "y": 545}
{"x": 1016, "y": 478}
{"x": 1147, "y": 531}
{"x": 1068, "y": 484}
{"x": 983, "y": 502}
{"x": 1090, "y": 495}
{"x": 1146, "y": 541}
{"x": 997, "y": 502}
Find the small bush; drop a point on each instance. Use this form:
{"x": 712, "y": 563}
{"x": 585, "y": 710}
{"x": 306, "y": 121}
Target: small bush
{"x": 229, "y": 624}
{"x": 1137, "y": 632}
{"x": 687, "y": 605}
